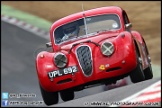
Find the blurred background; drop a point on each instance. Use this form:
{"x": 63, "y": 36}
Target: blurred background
{"x": 144, "y": 15}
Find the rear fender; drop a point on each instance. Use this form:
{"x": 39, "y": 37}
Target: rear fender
{"x": 137, "y": 36}
{"x": 141, "y": 46}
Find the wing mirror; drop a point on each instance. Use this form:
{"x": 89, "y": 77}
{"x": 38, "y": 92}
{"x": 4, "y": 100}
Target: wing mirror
{"x": 129, "y": 25}
{"x": 49, "y": 44}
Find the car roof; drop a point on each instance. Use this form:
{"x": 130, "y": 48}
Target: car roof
{"x": 91, "y": 12}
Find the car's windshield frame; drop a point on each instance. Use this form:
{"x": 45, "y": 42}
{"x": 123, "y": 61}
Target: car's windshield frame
{"x": 89, "y": 34}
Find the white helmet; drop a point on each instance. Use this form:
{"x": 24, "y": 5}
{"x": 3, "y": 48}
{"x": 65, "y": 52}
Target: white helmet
{"x": 71, "y": 29}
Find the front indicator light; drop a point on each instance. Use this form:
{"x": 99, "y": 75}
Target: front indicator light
{"x": 42, "y": 56}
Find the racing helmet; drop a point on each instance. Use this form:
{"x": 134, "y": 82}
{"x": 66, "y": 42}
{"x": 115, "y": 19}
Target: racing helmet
{"x": 71, "y": 29}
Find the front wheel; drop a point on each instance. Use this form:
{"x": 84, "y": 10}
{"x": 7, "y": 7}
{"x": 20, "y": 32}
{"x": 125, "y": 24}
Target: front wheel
{"x": 148, "y": 71}
{"x": 49, "y": 97}
{"x": 67, "y": 95}
{"x": 137, "y": 75}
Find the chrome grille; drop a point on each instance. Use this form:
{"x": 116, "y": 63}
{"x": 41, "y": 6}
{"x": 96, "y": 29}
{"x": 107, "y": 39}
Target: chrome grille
{"x": 85, "y": 59}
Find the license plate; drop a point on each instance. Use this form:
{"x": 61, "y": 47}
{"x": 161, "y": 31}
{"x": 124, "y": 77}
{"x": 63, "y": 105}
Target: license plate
{"x": 61, "y": 72}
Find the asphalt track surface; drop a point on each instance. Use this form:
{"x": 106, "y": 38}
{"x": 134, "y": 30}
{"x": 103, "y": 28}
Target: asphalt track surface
{"x": 114, "y": 95}
{"x": 18, "y": 63}
{"x": 19, "y": 73}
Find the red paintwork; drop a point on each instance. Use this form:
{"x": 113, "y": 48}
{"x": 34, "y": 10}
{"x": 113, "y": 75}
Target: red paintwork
{"x": 124, "y": 50}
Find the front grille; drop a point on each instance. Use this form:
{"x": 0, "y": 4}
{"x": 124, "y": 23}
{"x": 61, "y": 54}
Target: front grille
{"x": 85, "y": 59}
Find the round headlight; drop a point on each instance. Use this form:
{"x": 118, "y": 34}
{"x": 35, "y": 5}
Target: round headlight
{"x": 60, "y": 60}
{"x": 107, "y": 48}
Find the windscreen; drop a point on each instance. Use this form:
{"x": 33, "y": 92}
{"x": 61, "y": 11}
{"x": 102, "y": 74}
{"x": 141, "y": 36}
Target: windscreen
{"x": 79, "y": 28}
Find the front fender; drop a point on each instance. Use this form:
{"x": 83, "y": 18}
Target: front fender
{"x": 45, "y": 63}
{"x": 124, "y": 51}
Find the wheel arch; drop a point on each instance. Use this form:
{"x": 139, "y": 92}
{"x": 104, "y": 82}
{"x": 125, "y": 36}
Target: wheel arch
{"x": 136, "y": 47}
{"x": 145, "y": 46}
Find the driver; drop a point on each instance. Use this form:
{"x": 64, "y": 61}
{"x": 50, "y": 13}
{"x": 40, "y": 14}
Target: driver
{"x": 70, "y": 31}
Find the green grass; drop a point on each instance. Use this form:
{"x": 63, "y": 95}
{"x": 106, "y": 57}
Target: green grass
{"x": 31, "y": 19}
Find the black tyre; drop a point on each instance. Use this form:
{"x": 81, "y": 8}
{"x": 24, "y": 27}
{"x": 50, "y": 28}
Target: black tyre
{"x": 49, "y": 97}
{"x": 67, "y": 95}
{"x": 148, "y": 73}
{"x": 137, "y": 75}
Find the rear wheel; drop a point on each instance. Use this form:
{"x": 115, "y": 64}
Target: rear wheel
{"x": 137, "y": 75}
{"x": 67, "y": 95}
{"x": 49, "y": 97}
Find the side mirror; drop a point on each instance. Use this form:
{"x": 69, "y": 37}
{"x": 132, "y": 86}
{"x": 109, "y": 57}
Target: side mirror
{"x": 49, "y": 44}
{"x": 129, "y": 25}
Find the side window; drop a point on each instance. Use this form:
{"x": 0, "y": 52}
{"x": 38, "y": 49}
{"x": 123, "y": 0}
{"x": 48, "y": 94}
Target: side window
{"x": 127, "y": 24}
{"x": 126, "y": 20}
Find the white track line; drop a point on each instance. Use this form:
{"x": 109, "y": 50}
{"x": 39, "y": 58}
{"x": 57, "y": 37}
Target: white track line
{"x": 138, "y": 93}
{"x": 28, "y": 27}
{"x": 143, "y": 98}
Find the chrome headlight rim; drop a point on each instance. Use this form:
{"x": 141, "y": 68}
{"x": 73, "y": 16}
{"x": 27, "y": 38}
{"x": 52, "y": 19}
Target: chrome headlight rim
{"x": 60, "y": 60}
{"x": 111, "y": 45}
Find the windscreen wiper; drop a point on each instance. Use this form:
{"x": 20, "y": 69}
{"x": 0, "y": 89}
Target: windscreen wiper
{"x": 89, "y": 41}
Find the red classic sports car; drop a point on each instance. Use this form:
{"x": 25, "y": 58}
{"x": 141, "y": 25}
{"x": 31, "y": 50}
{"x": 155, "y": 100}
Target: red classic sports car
{"x": 96, "y": 46}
